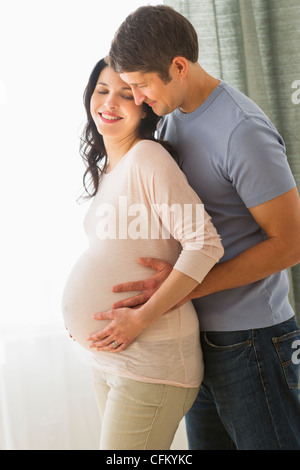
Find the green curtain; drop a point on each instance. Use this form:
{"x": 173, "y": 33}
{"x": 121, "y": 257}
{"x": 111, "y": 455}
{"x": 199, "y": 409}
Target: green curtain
{"x": 255, "y": 46}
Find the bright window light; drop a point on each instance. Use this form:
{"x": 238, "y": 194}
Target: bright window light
{"x": 48, "y": 49}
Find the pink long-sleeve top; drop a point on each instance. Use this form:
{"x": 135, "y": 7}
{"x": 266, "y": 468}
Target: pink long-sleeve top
{"x": 144, "y": 207}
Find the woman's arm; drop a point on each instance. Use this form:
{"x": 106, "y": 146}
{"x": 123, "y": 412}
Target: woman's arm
{"x": 179, "y": 213}
{"x": 128, "y": 323}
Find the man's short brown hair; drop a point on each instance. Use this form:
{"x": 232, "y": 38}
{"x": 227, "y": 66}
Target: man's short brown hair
{"x": 150, "y": 38}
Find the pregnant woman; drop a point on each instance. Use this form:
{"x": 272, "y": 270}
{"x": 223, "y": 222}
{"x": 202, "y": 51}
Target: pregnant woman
{"x": 141, "y": 203}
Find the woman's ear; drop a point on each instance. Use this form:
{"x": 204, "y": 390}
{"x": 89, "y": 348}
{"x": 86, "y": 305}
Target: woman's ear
{"x": 144, "y": 113}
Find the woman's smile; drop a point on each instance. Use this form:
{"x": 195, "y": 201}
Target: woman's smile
{"x": 109, "y": 117}
{"x": 112, "y": 102}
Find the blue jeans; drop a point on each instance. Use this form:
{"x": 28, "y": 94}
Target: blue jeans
{"x": 250, "y": 397}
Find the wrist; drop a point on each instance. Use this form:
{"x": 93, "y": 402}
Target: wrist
{"x": 144, "y": 316}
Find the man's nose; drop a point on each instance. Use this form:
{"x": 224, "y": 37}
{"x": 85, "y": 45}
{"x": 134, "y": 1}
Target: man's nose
{"x": 139, "y": 97}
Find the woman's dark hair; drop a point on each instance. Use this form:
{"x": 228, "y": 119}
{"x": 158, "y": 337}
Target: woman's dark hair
{"x": 92, "y": 147}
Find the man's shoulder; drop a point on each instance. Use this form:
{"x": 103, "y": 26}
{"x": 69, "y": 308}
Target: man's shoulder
{"x": 226, "y": 101}
{"x": 221, "y": 114}
{"x": 242, "y": 105}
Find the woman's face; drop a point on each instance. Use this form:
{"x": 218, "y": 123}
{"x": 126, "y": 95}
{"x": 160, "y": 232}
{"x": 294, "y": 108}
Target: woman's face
{"x": 113, "y": 108}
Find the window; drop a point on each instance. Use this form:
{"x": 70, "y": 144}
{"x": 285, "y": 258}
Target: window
{"x": 48, "y": 50}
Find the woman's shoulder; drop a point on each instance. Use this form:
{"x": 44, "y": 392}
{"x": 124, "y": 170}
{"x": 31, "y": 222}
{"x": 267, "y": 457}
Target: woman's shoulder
{"x": 150, "y": 152}
{"x": 149, "y": 146}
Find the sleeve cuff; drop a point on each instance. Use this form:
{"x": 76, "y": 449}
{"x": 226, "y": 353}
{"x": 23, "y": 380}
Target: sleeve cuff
{"x": 194, "y": 264}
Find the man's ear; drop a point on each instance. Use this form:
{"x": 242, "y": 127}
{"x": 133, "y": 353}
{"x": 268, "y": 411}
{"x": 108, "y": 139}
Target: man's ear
{"x": 180, "y": 66}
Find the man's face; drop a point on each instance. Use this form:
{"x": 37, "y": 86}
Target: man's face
{"x": 150, "y": 88}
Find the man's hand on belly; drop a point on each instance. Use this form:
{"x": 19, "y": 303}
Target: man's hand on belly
{"x": 147, "y": 287}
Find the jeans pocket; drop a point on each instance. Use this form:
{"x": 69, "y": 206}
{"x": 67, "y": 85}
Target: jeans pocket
{"x": 288, "y": 351}
{"x": 228, "y": 341}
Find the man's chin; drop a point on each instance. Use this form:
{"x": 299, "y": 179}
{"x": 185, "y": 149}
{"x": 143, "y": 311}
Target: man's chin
{"x": 159, "y": 111}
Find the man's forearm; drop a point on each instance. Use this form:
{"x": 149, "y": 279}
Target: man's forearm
{"x": 254, "y": 264}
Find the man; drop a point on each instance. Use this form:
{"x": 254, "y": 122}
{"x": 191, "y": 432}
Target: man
{"x": 235, "y": 160}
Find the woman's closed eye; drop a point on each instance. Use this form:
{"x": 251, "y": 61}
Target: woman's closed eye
{"x": 124, "y": 96}
{"x": 127, "y": 97}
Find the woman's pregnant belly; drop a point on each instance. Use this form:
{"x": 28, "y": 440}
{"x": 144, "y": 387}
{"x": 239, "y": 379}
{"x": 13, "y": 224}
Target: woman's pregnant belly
{"x": 88, "y": 289}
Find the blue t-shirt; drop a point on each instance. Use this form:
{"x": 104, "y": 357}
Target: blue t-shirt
{"x": 234, "y": 159}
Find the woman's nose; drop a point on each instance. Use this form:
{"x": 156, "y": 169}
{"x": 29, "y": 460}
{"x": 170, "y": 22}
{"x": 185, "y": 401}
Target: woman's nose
{"x": 111, "y": 102}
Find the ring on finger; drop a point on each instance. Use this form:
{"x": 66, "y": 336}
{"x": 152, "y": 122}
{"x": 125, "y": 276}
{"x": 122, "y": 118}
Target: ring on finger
{"x": 115, "y": 344}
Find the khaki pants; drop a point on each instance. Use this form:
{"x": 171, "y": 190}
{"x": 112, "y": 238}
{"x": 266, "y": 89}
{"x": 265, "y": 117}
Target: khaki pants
{"x": 137, "y": 415}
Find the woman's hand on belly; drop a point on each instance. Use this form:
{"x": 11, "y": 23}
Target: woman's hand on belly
{"x": 125, "y": 325}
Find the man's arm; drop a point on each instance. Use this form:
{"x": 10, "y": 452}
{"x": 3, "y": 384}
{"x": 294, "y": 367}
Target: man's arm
{"x": 279, "y": 218}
